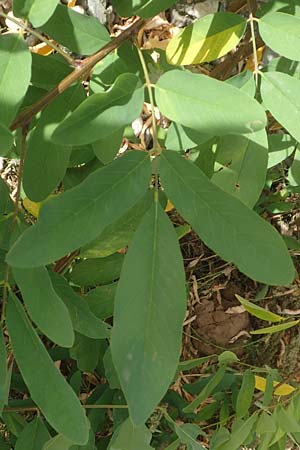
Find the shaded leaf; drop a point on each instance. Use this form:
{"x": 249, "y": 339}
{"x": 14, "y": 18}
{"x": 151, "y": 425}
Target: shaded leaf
{"x": 119, "y": 234}
{"x": 86, "y": 352}
{"x": 44, "y": 306}
{"x": 97, "y": 270}
{"x": 207, "y": 39}
{"x": 245, "y": 395}
{"x": 150, "y": 305}
{"x": 58, "y": 402}
{"x": 131, "y": 437}
{"x": 240, "y": 434}
{"x": 6, "y": 139}
{"x": 107, "y": 148}
{"x": 46, "y": 163}
{"x": 33, "y": 436}
{"x": 65, "y": 221}
{"x": 143, "y": 8}
{"x": 101, "y": 300}
{"x": 48, "y": 72}
{"x": 101, "y": 115}
{"x": 242, "y": 166}
{"x": 205, "y": 104}
{"x": 232, "y": 230}
{"x": 36, "y": 11}
{"x": 281, "y": 146}
{"x": 84, "y": 321}
{"x": 58, "y": 442}
{"x": 294, "y": 170}
{"x": 13, "y": 83}
{"x": 81, "y": 34}
{"x": 207, "y": 390}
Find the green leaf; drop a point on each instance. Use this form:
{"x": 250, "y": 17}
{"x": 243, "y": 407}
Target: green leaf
{"x": 143, "y": 8}
{"x": 227, "y": 226}
{"x": 101, "y": 300}
{"x": 245, "y": 395}
{"x": 188, "y": 434}
{"x": 286, "y": 421}
{"x": 36, "y": 11}
{"x": 107, "y": 148}
{"x": 101, "y": 115}
{"x": 84, "y": 321}
{"x": 81, "y": 34}
{"x": 244, "y": 81}
{"x": 46, "y": 163}
{"x": 6, "y": 205}
{"x": 110, "y": 371}
{"x": 6, "y": 139}
{"x": 281, "y": 96}
{"x": 192, "y": 363}
{"x": 58, "y": 401}
{"x": 48, "y": 72}
{"x": 280, "y": 31}
{"x": 281, "y": 146}
{"x": 180, "y": 138}
{"x": 44, "y": 306}
{"x": 259, "y": 312}
{"x": 97, "y": 271}
{"x": 119, "y": 234}
{"x": 13, "y": 83}
{"x": 64, "y": 223}
{"x": 58, "y": 442}
{"x": 240, "y": 434}
{"x": 86, "y": 352}
{"x": 242, "y": 166}
{"x": 204, "y": 104}
{"x": 3, "y": 366}
{"x": 206, "y": 391}
{"x": 294, "y": 170}
{"x": 33, "y": 436}
{"x": 207, "y": 39}
{"x": 275, "y": 328}
{"x": 131, "y": 437}
{"x": 150, "y": 305}
{"x": 226, "y": 358}
{"x": 265, "y": 423}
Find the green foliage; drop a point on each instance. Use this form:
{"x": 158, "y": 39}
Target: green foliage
{"x": 94, "y": 291}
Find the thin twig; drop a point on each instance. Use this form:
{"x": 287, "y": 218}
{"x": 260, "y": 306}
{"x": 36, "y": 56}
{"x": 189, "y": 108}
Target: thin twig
{"x": 156, "y": 145}
{"x": 9, "y": 409}
{"x": 84, "y": 67}
{"x": 40, "y": 37}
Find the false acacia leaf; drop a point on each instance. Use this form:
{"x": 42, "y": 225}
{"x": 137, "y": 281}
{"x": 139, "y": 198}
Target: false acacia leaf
{"x": 76, "y": 217}
{"x": 58, "y": 402}
{"x": 225, "y": 224}
{"x": 150, "y": 304}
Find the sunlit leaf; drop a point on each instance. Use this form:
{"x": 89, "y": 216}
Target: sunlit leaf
{"x": 206, "y": 39}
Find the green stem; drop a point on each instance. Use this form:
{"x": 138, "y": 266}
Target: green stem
{"x": 149, "y": 85}
{"x": 40, "y": 37}
{"x": 10, "y": 409}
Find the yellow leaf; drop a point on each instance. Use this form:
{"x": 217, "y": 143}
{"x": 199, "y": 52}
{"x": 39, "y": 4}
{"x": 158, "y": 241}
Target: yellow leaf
{"x": 206, "y": 39}
{"x": 32, "y": 207}
{"x": 42, "y": 49}
{"x": 71, "y": 3}
{"x": 250, "y": 62}
{"x": 283, "y": 389}
{"x": 169, "y": 206}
